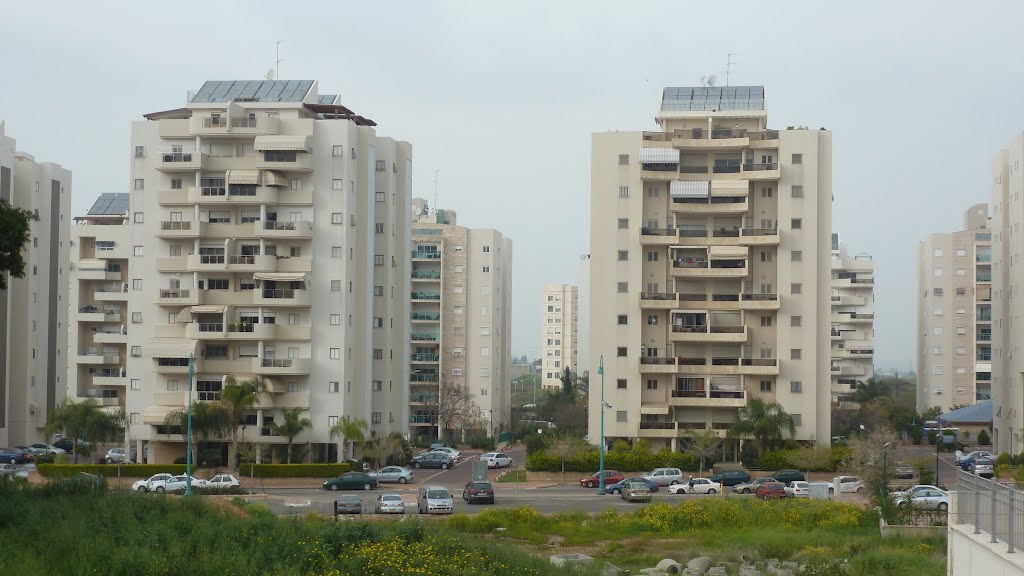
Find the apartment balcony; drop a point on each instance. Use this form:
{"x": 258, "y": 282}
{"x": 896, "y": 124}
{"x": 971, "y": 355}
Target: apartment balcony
{"x": 708, "y": 398}
{"x": 205, "y": 331}
{"x": 763, "y": 171}
{"x": 853, "y": 317}
{"x": 109, "y": 295}
{"x": 252, "y": 263}
{"x": 428, "y": 377}
{"x": 179, "y": 197}
{"x": 709, "y": 334}
{"x": 178, "y": 297}
{"x": 98, "y": 359}
{"x": 983, "y": 317}
{"x": 172, "y": 264}
{"x": 303, "y": 163}
{"x": 294, "y": 230}
{"x": 171, "y": 365}
{"x": 424, "y": 358}
{"x": 423, "y": 399}
{"x": 848, "y": 370}
{"x": 173, "y": 229}
{"x": 425, "y": 317}
{"x": 111, "y": 337}
{"x": 728, "y": 366}
{"x": 658, "y": 236}
{"x": 180, "y": 161}
{"x": 657, "y": 365}
{"x": 281, "y": 367}
{"x": 659, "y": 300}
{"x": 710, "y": 205}
{"x": 419, "y": 296}
{"x": 658, "y": 430}
{"x": 98, "y": 274}
{"x": 177, "y": 399}
{"x": 426, "y": 275}
{"x": 983, "y": 337}
{"x": 282, "y": 297}
{"x": 422, "y": 420}
{"x": 747, "y": 301}
{"x": 659, "y": 175}
{"x": 233, "y": 195}
{"x": 848, "y": 300}
{"x": 109, "y": 381}
{"x": 291, "y": 400}
{"x": 417, "y": 337}
{"x": 852, "y": 282}
{"x": 94, "y": 314}
{"x": 712, "y": 268}
{"x": 237, "y": 127}
{"x": 715, "y": 139}
{"x": 425, "y": 255}
{"x": 289, "y": 264}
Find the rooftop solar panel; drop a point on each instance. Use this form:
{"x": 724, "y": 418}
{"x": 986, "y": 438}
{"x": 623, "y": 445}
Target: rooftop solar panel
{"x": 712, "y": 98}
{"x": 214, "y": 91}
{"x": 327, "y": 98}
{"x": 110, "y": 204}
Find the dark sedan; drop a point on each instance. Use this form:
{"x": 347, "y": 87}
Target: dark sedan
{"x": 731, "y": 477}
{"x": 789, "y": 475}
{"x": 13, "y": 456}
{"x": 348, "y": 504}
{"x": 351, "y": 481}
{"x": 433, "y": 460}
{"x": 618, "y": 486}
{"x": 478, "y": 492}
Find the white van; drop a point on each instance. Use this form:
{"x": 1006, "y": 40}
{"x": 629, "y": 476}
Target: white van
{"x": 434, "y": 500}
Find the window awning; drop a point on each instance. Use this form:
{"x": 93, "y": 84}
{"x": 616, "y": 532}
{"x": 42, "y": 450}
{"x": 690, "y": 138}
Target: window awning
{"x": 688, "y": 188}
{"x": 170, "y": 348}
{"x": 281, "y": 142}
{"x": 729, "y": 188}
{"x": 728, "y": 251}
{"x": 92, "y": 264}
{"x": 280, "y": 276}
{"x": 155, "y": 415}
{"x": 694, "y": 247}
{"x": 243, "y": 176}
{"x": 659, "y": 156}
{"x": 689, "y": 312}
{"x": 274, "y": 179}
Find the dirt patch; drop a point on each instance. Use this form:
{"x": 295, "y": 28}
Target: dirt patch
{"x": 224, "y": 504}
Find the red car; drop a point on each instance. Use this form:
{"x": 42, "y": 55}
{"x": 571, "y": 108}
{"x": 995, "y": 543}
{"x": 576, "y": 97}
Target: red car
{"x": 769, "y": 490}
{"x": 610, "y": 477}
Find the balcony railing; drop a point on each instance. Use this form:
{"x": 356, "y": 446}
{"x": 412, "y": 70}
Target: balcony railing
{"x": 277, "y": 362}
{"x": 171, "y": 225}
{"x": 691, "y": 361}
{"x": 645, "y": 231}
{"x": 657, "y": 360}
{"x": 760, "y": 166}
{"x": 243, "y": 122}
{"x": 983, "y": 258}
{"x": 424, "y": 357}
{"x": 426, "y": 296}
{"x": 720, "y": 134}
{"x": 423, "y": 398}
{"x": 985, "y": 316}
{"x": 428, "y": 255}
{"x": 242, "y": 260}
{"x": 211, "y": 258}
{"x": 983, "y": 357}
{"x": 657, "y": 295}
{"x": 984, "y": 337}
{"x": 215, "y": 122}
{"x": 706, "y": 393}
{"x": 211, "y": 327}
{"x": 213, "y": 191}
{"x": 727, "y": 169}
{"x": 268, "y": 225}
{"x": 422, "y": 316}
{"x": 422, "y": 419}
{"x": 426, "y": 274}
{"x": 424, "y": 337}
{"x": 285, "y": 293}
{"x": 423, "y": 377}
{"x": 657, "y": 425}
{"x": 693, "y": 169}
{"x": 244, "y": 327}
{"x": 177, "y": 156}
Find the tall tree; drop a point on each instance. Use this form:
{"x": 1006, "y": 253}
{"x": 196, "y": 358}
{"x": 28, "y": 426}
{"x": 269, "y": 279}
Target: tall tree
{"x": 810, "y": 458}
{"x": 568, "y": 385}
{"x": 457, "y": 409}
{"x": 766, "y": 422}
{"x": 350, "y": 430}
{"x": 209, "y": 419}
{"x": 702, "y": 445}
{"x": 380, "y": 448}
{"x": 237, "y": 398}
{"x": 567, "y": 448}
{"x": 293, "y": 425}
{"x": 14, "y": 237}
{"x": 85, "y": 419}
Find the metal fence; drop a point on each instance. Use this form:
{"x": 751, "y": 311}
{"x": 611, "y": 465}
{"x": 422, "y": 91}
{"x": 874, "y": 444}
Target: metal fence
{"x": 991, "y": 508}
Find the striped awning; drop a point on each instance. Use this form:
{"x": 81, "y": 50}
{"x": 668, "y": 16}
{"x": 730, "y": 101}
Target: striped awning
{"x": 689, "y": 311}
{"x": 155, "y": 415}
{"x": 659, "y": 156}
{"x": 729, "y": 188}
{"x": 280, "y": 276}
{"x": 209, "y": 309}
{"x": 170, "y": 348}
{"x": 282, "y": 142}
{"x": 243, "y": 176}
{"x": 727, "y": 251}
{"x": 688, "y": 188}
{"x": 694, "y": 247}
{"x": 274, "y": 179}
{"x": 92, "y": 264}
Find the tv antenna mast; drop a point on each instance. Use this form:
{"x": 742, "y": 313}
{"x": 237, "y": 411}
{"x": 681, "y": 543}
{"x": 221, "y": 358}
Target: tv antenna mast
{"x": 278, "y": 60}
{"x": 435, "y": 190}
{"x": 728, "y": 66}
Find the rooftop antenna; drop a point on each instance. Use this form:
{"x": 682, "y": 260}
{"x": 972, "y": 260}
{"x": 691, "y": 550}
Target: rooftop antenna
{"x": 277, "y": 63}
{"x": 728, "y": 66}
{"x": 269, "y": 75}
{"x": 435, "y": 190}
{"x": 708, "y": 80}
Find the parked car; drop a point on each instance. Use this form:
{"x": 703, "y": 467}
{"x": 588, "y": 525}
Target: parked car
{"x": 478, "y": 492}
{"x": 967, "y": 461}
{"x": 223, "y": 481}
{"x": 788, "y": 475}
{"x": 398, "y": 474}
{"x": 903, "y": 471}
{"x": 636, "y": 492}
{"x": 730, "y": 477}
{"x": 847, "y": 484}
{"x": 617, "y": 487}
{"x": 357, "y": 465}
{"x": 752, "y": 486}
{"x": 32, "y": 450}
{"x": 13, "y": 456}
{"x": 928, "y": 499}
{"x": 8, "y": 470}
{"x": 984, "y": 467}
{"x": 771, "y": 490}
{"x": 351, "y": 481}
{"x": 434, "y": 500}
{"x": 178, "y": 484}
{"x": 798, "y": 488}
{"x": 959, "y": 457}
{"x": 913, "y": 490}
{"x": 389, "y": 504}
{"x": 151, "y": 482}
{"x": 455, "y": 454}
{"x": 50, "y": 449}
{"x": 433, "y": 460}
{"x": 665, "y": 476}
{"x": 496, "y": 460}
{"x": 610, "y": 477}
{"x": 436, "y": 445}
{"x": 29, "y": 454}
{"x": 348, "y": 504}
{"x": 700, "y": 486}
{"x": 115, "y": 456}
{"x": 65, "y": 444}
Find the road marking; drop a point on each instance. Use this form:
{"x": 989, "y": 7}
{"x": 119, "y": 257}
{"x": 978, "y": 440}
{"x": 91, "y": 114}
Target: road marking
{"x": 457, "y": 464}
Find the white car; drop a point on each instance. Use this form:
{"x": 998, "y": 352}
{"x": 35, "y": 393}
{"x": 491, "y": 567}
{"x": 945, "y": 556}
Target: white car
{"x": 455, "y": 454}
{"x": 496, "y": 460}
{"x": 223, "y": 481}
{"x": 700, "y": 486}
{"x": 847, "y": 484}
{"x": 912, "y": 491}
{"x": 928, "y": 499}
{"x": 177, "y": 483}
{"x": 144, "y": 485}
{"x": 798, "y": 489}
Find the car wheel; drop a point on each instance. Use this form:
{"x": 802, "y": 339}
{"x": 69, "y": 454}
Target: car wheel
{"x": 416, "y": 465}
{"x": 860, "y": 489}
{"x": 14, "y": 460}
{"x": 402, "y": 480}
{"x": 334, "y": 487}
{"x": 831, "y": 491}
{"x": 711, "y": 491}
{"x": 616, "y": 491}
{"x": 444, "y": 465}
{"x": 590, "y": 483}
{"x": 159, "y": 489}
{"x": 109, "y": 461}
{"x": 367, "y": 486}
{"x": 673, "y": 483}
{"x": 943, "y": 506}
{"x": 746, "y": 491}
{"x": 141, "y": 489}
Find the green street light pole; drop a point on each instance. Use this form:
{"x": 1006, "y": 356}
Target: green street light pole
{"x": 600, "y": 479}
{"x": 188, "y": 441}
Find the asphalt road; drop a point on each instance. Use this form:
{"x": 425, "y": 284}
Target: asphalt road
{"x": 947, "y": 468}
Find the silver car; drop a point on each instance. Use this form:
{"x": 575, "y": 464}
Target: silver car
{"x": 398, "y": 474}
{"x": 8, "y": 470}
{"x": 389, "y": 504}
{"x": 435, "y": 500}
{"x": 752, "y": 486}
{"x": 929, "y": 499}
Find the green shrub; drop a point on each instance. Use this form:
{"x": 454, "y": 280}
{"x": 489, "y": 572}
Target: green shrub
{"x": 1018, "y": 477}
{"x": 983, "y": 438}
{"x": 749, "y": 456}
{"x": 142, "y": 470}
{"x": 627, "y": 461}
{"x": 294, "y": 470}
{"x": 775, "y": 460}
{"x": 1002, "y": 470}
{"x": 1003, "y": 459}
{"x": 916, "y": 435}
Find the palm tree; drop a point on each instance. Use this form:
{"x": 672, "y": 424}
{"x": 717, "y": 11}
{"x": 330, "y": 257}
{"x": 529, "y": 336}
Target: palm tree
{"x": 237, "y": 398}
{"x": 380, "y": 448}
{"x": 351, "y": 429}
{"x": 85, "y": 419}
{"x": 765, "y": 421}
{"x": 292, "y": 426}
{"x": 209, "y": 419}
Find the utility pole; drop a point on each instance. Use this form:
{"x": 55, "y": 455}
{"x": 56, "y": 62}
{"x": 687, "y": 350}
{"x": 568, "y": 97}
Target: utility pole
{"x": 188, "y": 440}
{"x": 600, "y": 480}
{"x": 278, "y": 60}
{"x": 728, "y": 69}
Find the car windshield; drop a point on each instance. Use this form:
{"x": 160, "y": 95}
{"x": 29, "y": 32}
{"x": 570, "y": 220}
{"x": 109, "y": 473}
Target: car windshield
{"x": 438, "y": 494}
{"x": 391, "y": 498}
{"x": 480, "y": 486}
{"x": 349, "y": 499}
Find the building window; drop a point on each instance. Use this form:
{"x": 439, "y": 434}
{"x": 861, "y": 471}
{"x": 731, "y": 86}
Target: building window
{"x": 622, "y": 287}
{"x": 485, "y": 310}
{"x": 337, "y": 150}
{"x": 796, "y": 224}
{"x": 378, "y": 385}
{"x": 961, "y": 311}
{"x": 652, "y": 256}
{"x": 332, "y": 421}
{"x": 766, "y": 256}
{"x": 295, "y": 184}
{"x": 375, "y": 418}
{"x": 623, "y": 159}
{"x": 485, "y": 269}
{"x": 485, "y": 372}
{"x": 796, "y": 387}
{"x": 937, "y": 272}
{"x": 621, "y": 319}
{"x": 378, "y": 259}
{"x": 623, "y": 223}
{"x": 797, "y": 255}
{"x": 961, "y": 291}
{"x": 623, "y": 191}
{"x": 139, "y": 218}
{"x": 140, "y": 184}
{"x": 136, "y": 384}
{"x": 172, "y": 385}
{"x": 766, "y": 385}
{"x": 798, "y": 191}
{"x": 961, "y": 272}
{"x": 335, "y": 353}
{"x": 140, "y": 151}
{"x": 459, "y": 248}
{"x": 766, "y": 321}
{"x": 798, "y": 159}
{"x": 938, "y": 253}
{"x": 378, "y": 353}
{"x": 960, "y": 351}
{"x": 378, "y": 322}
{"x": 485, "y": 249}
{"x": 332, "y": 387}
{"x": 652, "y": 384}
{"x": 766, "y": 192}
{"x": 175, "y": 183}
{"x": 335, "y": 285}
{"x": 623, "y": 255}
{"x": 378, "y": 196}
{"x": 620, "y": 351}
{"x": 796, "y": 288}
{"x": 936, "y": 311}
{"x": 136, "y": 352}
{"x": 620, "y": 416}
{"x": 960, "y": 331}
{"x": 458, "y": 268}
{"x": 937, "y": 331}
{"x": 961, "y": 252}
{"x": 796, "y": 321}
{"x": 337, "y": 184}
{"x": 136, "y": 317}
{"x": 937, "y": 350}
{"x": 798, "y": 419}
{"x": 794, "y": 354}
{"x": 936, "y": 291}
{"x": 937, "y": 369}
{"x": 378, "y": 290}
{"x": 620, "y": 383}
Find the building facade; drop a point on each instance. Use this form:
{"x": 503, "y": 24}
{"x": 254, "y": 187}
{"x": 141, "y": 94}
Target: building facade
{"x": 34, "y": 309}
{"x": 853, "y": 318}
{"x": 559, "y": 330}
{"x": 270, "y": 237}
{"x": 709, "y": 270}
{"x": 461, "y": 327}
{"x": 583, "y": 315}
{"x": 1007, "y": 331}
{"x": 954, "y": 347}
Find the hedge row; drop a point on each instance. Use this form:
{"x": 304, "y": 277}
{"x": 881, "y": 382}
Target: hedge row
{"x": 779, "y": 459}
{"x": 141, "y": 470}
{"x": 294, "y": 470}
{"x": 543, "y": 461}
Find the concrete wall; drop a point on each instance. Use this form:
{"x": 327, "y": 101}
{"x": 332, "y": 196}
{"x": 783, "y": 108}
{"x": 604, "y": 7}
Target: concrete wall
{"x": 969, "y": 554}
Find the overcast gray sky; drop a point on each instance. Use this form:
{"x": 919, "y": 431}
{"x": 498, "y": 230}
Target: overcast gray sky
{"x": 502, "y": 99}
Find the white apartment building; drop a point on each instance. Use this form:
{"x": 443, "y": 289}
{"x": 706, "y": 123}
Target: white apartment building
{"x": 853, "y": 317}
{"x": 954, "y": 317}
{"x": 710, "y": 270}
{"x": 583, "y": 315}
{"x": 98, "y": 340}
{"x": 34, "y": 309}
{"x": 461, "y": 324}
{"x": 559, "y": 329}
{"x": 270, "y": 239}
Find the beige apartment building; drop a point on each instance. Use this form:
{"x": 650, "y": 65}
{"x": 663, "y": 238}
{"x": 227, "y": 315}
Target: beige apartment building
{"x": 559, "y": 330}
{"x": 709, "y": 270}
{"x": 954, "y": 347}
{"x": 853, "y": 317}
{"x": 461, "y": 326}
{"x": 34, "y": 309}
{"x": 98, "y": 339}
{"x": 269, "y": 238}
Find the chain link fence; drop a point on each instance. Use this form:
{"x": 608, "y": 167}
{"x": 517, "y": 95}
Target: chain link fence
{"x": 991, "y": 508}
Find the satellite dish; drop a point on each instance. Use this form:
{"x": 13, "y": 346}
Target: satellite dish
{"x": 269, "y": 75}
{"x": 712, "y": 79}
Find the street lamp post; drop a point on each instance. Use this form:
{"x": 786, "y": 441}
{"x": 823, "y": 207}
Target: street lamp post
{"x": 885, "y": 467}
{"x": 600, "y": 479}
{"x": 938, "y": 442}
{"x": 188, "y": 441}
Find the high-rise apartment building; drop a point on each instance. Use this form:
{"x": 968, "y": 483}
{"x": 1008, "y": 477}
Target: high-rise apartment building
{"x": 270, "y": 239}
{"x": 710, "y": 269}
{"x": 954, "y": 317}
{"x": 34, "y": 309}
{"x": 853, "y": 317}
{"x": 583, "y": 315}
{"x": 98, "y": 340}
{"x": 559, "y": 331}
{"x": 461, "y": 326}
